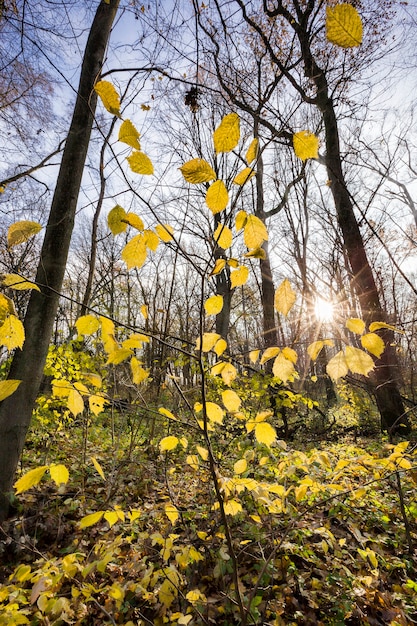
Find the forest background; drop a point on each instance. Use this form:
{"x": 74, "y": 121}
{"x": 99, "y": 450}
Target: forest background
{"x": 208, "y": 311}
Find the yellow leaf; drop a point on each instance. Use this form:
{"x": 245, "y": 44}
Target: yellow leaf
{"x": 7, "y": 387}
{"x": 214, "y": 412}
{"x": 265, "y": 433}
{"x": 241, "y": 219}
{"x": 252, "y": 152}
{"x": 234, "y": 263}
{"x": 290, "y": 354}
{"x": 61, "y": 388}
{"x": 109, "y": 97}
{"x": 135, "y": 221}
{"x": 218, "y": 368}
{"x": 111, "y": 517}
{"x": 203, "y": 452}
{"x": 231, "y": 400}
{"x": 255, "y": 232}
{"x": 300, "y": 492}
{"x": 192, "y": 461}
{"x": 59, "y": 474}
{"x": 306, "y": 145}
{"x": 6, "y": 307}
{"x": 358, "y": 361}
{"x": 75, "y": 402}
{"x": 116, "y": 220}
{"x": 228, "y": 374}
{"x": 257, "y": 253}
{"x": 219, "y": 266}
{"x": 167, "y": 413}
{"x": 118, "y": 356}
{"x": 285, "y": 297}
{"x": 217, "y": 197}
{"x": 144, "y": 311}
{"x": 135, "y": 341}
{"x": 197, "y": 171}
{"x": 151, "y": 240}
{"x": 135, "y": 252}
{"x": 269, "y": 353}
{"x": 30, "y": 479}
{"x": 373, "y": 343}
{"x": 254, "y": 355}
{"x": 87, "y": 325}
{"x": 90, "y": 520}
{"x": 19, "y": 232}
{"x": 140, "y": 163}
{"x": 168, "y": 443}
{"x": 337, "y": 366}
{"x": 239, "y": 277}
{"x": 220, "y": 346}
{"x": 378, "y": 325}
{"x": 96, "y": 404}
{"x": 343, "y": 26}
{"x": 227, "y": 134}
{"x": 314, "y": 349}
{"x": 129, "y": 135}
{"x": 243, "y": 176}
{"x": 165, "y": 232}
{"x": 171, "y": 512}
{"x": 232, "y": 507}
{"x": 283, "y": 368}
{"x": 14, "y": 281}
{"x": 223, "y": 236}
{"x": 209, "y": 341}
{"x": 12, "y": 333}
{"x": 355, "y": 325}
{"x": 98, "y": 467}
{"x": 240, "y": 466}
{"x": 213, "y": 305}
{"x": 139, "y": 374}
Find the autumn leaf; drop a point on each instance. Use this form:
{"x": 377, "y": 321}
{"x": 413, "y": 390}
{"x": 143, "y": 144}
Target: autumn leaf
{"x": 139, "y": 374}
{"x": 254, "y": 232}
{"x": 228, "y": 374}
{"x": 269, "y": 353}
{"x": 252, "y": 151}
{"x": 314, "y": 349}
{"x": 14, "y": 281}
{"x": 242, "y": 177}
{"x": 59, "y": 473}
{"x": 358, "y": 361}
{"x": 257, "y": 253}
{"x": 98, "y": 467}
{"x": 90, "y": 520}
{"x": 265, "y": 433}
{"x": 167, "y": 413}
{"x": 337, "y": 366}
{"x": 220, "y": 346}
{"x": 19, "y": 232}
{"x": 213, "y": 305}
{"x": 209, "y": 341}
{"x": 165, "y": 232}
{"x": 241, "y": 219}
{"x": 12, "y": 333}
{"x": 87, "y": 325}
{"x": 30, "y": 479}
{"x": 239, "y": 277}
{"x": 306, "y": 145}
{"x": 214, "y": 412}
{"x": 380, "y": 325}
{"x": 135, "y": 252}
{"x": 168, "y": 443}
{"x": 6, "y": 307}
{"x": 223, "y": 236}
{"x": 240, "y": 466}
{"x": 197, "y": 171}
{"x": 217, "y": 197}
{"x": 283, "y": 368}
{"x": 140, "y": 163}
{"x": 373, "y": 343}
{"x": 227, "y": 134}
{"x": 129, "y": 135}
{"x": 171, "y": 512}
{"x": 116, "y": 220}
{"x": 96, "y": 404}
{"x": 232, "y": 507}
{"x": 219, "y": 266}
{"x": 344, "y": 25}
{"x": 355, "y": 325}
{"x": 108, "y": 96}
{"x": 134, "y": 220}
{"x": 118, "y": 356}
{"x": 75, "y": 402}
{"x": 7, "y": 387}
{"x": 231, "y": 400}
{"x": 285, "y": 297}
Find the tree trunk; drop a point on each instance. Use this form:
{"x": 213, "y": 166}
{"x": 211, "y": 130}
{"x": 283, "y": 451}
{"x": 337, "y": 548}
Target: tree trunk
{"x": 28, "y": 363}
{"x": 385, "y": 387}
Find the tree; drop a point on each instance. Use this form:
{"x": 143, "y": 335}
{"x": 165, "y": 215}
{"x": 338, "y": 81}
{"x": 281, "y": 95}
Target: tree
{"x": 28, "y": 363}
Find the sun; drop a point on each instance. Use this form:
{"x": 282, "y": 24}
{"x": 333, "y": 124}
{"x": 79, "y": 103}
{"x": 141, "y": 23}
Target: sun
{"x": 323, "y": 310}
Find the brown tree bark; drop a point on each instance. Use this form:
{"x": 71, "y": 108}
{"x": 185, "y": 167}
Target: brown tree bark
{"x": 28, "y": 363}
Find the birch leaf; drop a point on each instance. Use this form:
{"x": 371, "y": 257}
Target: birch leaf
{"x": 209, "y": 340}
{"x": 165, "y": 232}
{"x": 228, "y": 374}
{"x": 12, "y": 333}
{"x": 373, "y": 343}
{"x": 316, "y": 347}
{"x": 242, "y": 177}
{"x": 116, "y": 220}
{"x": 7, "y": 387}
{"x": 96, "y": 404}
{"x": 239, "y": 277}
{"x": 231, "y": 400}
{"x": 344, "y": 26}
{"x": 217, "y": 197}
{"x": 219, "y": 266}
{"x": 140, "y": 163}
{"x": 198, "y": 171}
{"x": 19, "y": 232}
{"x": 232, "y": 507}
{"x": 254, "y": 233}
{"x": 240, "y": 466}
{"x": 285, "y": 297}
{"x": 129, "y": 135}
{"x": 306, "y": 145}
{"x": 87, "y": 325}
{"x": 378, "y": 325}
{"x": 241, "y": 219}
{"x": 134, "y": 220}
{"x": 269, "y": 353}
{"x": 59, "y": 474}
{"x": 358, "y": 361}
{"x": 118, "y": 356}
{"x": 75, "y": 402}
{"x": 168, "y": 443}
{"x": 265, "y": 433}
{"x": 227, "y": 134}
{"x": 283, "y": 368}
{"x": 90, "y": 520}
{"x": 220, "y": 346}
{"x": 223, "y": 236}
{"x": 108, "y": 96}
{"x": 14, "y": 281}
{"x": 355, "y": 325}
{"x": 214, "y": 305}
{"x": 30, "y": 479}
{"x": 214, "y": 412}
{"x": 98, "y": 468}
{"x": 252, "y": 152}
{"x": 139, "y": 374}
{"x": 135, "y": 252}
{"x": 6, "y": 307}
{"x": 171, "y": 512}
{"x": 337, "y": 366}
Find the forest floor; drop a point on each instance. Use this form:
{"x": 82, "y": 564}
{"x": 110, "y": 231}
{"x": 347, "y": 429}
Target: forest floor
{"x": 320, "y": 533}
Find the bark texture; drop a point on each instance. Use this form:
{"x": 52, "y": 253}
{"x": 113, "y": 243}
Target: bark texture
{"x": 28, "y": 363}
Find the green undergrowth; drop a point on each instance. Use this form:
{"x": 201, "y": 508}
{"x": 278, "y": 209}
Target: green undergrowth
{"x": 319, "y": 535}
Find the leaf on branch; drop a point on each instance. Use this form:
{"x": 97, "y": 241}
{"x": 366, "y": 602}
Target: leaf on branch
{"x": 242, "y": 177}
{"x": 129, "y": 135}
{"x": 379, "y": 325}
{"x": 151, "y": 240}
{"x": 223, "y": 236}
{"x": 96, "y": 404}
{"x": 6, "y": 307}
{"x": 358, "y": 361}
{"x": 217, "y": 197}
{"x": 59, "y": 474}
{"x": 135, "y": 252}
{"x": 108, "y": 96}
{"x": 197, "y": 171}
{"x": 116, "y": 220}
{"x": 255, "y": 232}
{"x": 140, "y": 163}
{"x": 285, "y": 297}
{"x": 231, "y": 400}
{"x": 171, "y": 512}
{"x": 98, "y": 468}
{"x": 254, "y": 355}
{"x": 355, "y": 325}
{"x": 75, "y": 402}
{"x": 12, "y": 333}
{"x": 337, "y": 366}
{"x": 19, "y": 232}
{"x": 290, "y": 354}
{"x": 239, "y": 277}
{"x": 167, "y": 414}
{"x": 240, "y": 466}
{"x": 30, "y": 479}
{"x": 257, "y": 253}
{"x": 232, "y": 507}
{"x": 134, "y": 220}
{"x": 344, "y": 26}
{"x": 165, "y": 232}
{"x": 306, "y": 145}
{"x": 214, "y": 412}
{"x": 241, "y": 219}
{"x": 227, "y": 134}
{"x": 228, "y": 374}
{"x": 220, "y": 346}
{"x": 90, "y": 520}
{"x": 213, "y": 305}
{"x": 269, "y": 353}
{"x": 7, "y": 387}
{"x": 14, "y": 281}
{"x": 168, "y": 443}
{"x": 87, "y": 325}
{"x": 252, "y": 152}
{"x": 265, "y": 433}
{"x": 209, "y": 340}
{"x": 219, "y": 266}
{"x": 316, "y": 347}
{"x": 139, "y": 374}
{"x": 373, "y": 343}
{"x": 118, "y": 356}
{"x": 283, "y": 368}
